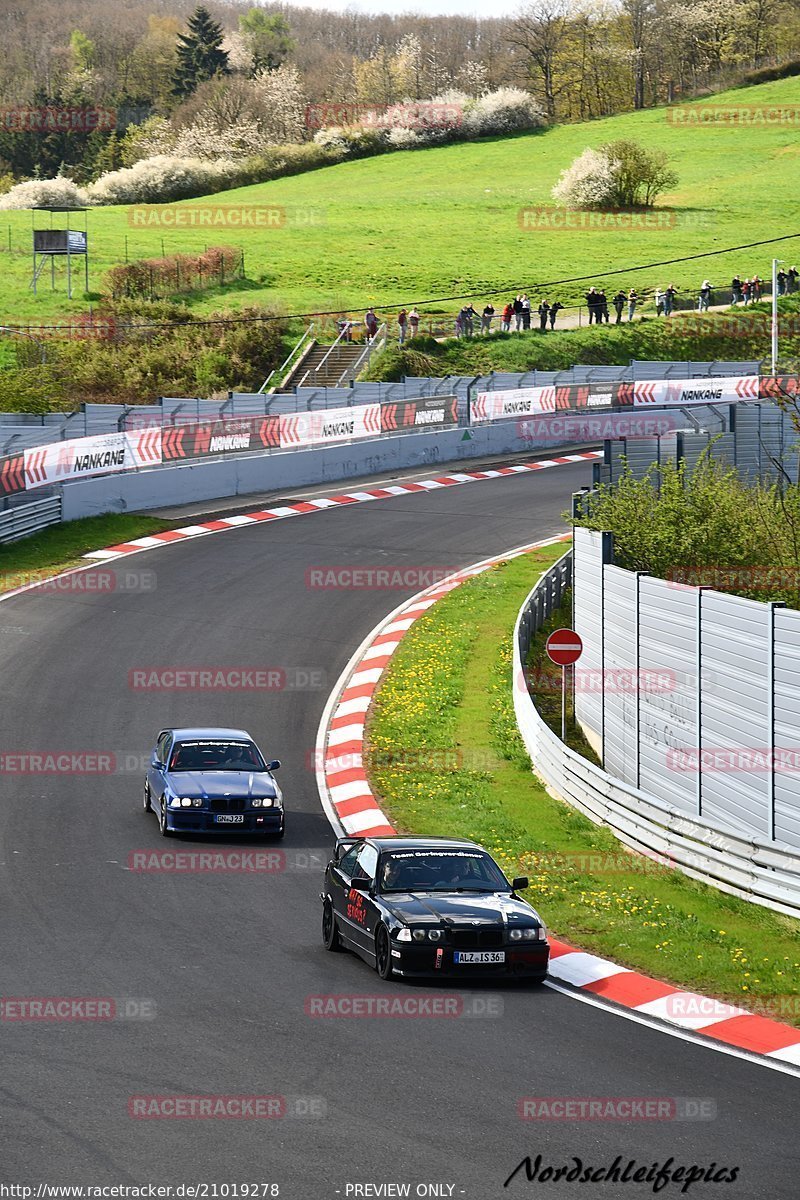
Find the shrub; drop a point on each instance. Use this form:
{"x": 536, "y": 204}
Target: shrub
{"x": 768, "y": 74}
{"x": 621, "y": 174}
{"x": 587, "y": 183}
{"x": 508, "y": 110}
{"x": 59, "y": 192}
{"x": 160, "y": 277}
{"x": 162, "y": 178}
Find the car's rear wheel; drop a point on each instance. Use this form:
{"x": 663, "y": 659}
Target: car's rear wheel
{"x": 146, "y": 798}
{"x": 330, "y": 932}
{"x": 383, "y": 953}
{"x": 162, "y": 820}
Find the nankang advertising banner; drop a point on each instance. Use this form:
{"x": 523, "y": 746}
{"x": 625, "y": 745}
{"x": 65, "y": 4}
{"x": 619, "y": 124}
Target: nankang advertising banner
{"x": 330, "y": 425}
{"x": 723, "y": 389}
{"x": 206, "y": 438}
{"x": 516, "y": 402}
{"x": 102, "y": 455}
{"x": 428, "y": 412}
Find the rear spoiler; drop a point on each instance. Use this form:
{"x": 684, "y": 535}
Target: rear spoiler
{"x": 343, "y": 844}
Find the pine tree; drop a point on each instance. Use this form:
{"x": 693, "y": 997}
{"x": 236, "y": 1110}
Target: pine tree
{"x": 200, "y": 54}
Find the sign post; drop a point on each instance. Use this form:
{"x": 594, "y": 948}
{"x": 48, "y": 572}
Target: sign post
{"x": 564, "y": 647}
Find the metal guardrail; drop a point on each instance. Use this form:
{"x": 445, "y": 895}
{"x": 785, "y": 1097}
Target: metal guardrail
{"x": 765, "y": 873}
{"x": 24, "y": 519}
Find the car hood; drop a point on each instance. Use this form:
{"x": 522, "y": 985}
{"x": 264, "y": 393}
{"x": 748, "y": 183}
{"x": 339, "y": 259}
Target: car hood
{"x": 460, "y": 908}
{"x": 210, "y": 784}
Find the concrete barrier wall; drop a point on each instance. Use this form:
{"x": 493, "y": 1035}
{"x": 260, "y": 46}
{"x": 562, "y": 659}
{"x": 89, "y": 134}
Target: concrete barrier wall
{"x": 217, "y": 479}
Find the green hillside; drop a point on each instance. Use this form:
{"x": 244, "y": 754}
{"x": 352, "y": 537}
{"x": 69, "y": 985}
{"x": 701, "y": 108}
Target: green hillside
{"x": 412, "y": 225}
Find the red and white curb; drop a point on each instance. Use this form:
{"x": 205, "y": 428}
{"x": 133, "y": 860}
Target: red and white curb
{"x": 351, "y": 808}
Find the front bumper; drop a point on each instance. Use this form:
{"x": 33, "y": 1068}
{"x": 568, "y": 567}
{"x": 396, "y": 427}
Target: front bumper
{"x": 430, "y": 961}
{"x": 197, "y": 820}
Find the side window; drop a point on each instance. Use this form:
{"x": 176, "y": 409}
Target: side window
{"x": 348, "y": 861}
{"x": 367, "y": 861}
{"x": 162, "y": 746}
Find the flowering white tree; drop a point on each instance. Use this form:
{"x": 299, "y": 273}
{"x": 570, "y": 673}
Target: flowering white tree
{"x": 589, "y": 182}
{"x": 283, "y": 104}
{"x": 162, "y": 178}
{"x": 59, "y": 192}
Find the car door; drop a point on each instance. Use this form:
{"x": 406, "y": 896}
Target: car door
{"x": 339, "y": 875}
{"x": 362, "y": 912}
{"x": 156, "y": 777}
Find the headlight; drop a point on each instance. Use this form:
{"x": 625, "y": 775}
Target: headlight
{"x": 198, "y": 803}
{"x": 186, "y": 802}
{"x": 435, "y": 935}
{"x": 404, "y": 935}
{"x": 527, "y": 935}
{"x": 515, "y": 935}
{"x": 419, "y": 935}
{"x": 543, "y": 932}
{"x": 175, "y": 802}
{"x": 266, "y": 803}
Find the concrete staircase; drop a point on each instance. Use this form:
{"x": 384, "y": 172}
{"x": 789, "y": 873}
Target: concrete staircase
{"x": 309, "y": 372}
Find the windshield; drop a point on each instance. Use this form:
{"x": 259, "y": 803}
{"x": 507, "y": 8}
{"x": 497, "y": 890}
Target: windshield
{"x": 441, "y": 871}
{"x": 215, "y": 756}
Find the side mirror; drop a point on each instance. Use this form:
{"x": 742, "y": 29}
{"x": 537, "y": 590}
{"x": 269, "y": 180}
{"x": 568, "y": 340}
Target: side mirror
{"x": 361, "y": 883}
{"x": 156, "y": 762}
{"x": 520, "y": 883}
{"x": 274, "y": 765}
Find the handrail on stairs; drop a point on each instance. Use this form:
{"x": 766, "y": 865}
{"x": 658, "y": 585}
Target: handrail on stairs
{"x": 278, "y": 370}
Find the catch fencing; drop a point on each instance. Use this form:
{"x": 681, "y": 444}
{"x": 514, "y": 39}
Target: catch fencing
{"x": 703, "y": 844}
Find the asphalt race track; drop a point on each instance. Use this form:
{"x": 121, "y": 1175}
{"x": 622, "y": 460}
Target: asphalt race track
{"x": 226, "y": 962}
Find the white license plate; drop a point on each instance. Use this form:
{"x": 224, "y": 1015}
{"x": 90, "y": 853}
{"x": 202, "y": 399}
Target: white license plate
{"x": 479, "y": 956}
{"x": 229, "y": 818}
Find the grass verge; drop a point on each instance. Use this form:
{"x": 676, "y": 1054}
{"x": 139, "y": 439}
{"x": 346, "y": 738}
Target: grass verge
{"x": 443, "y": 760}
{"x": 62, "y": 546}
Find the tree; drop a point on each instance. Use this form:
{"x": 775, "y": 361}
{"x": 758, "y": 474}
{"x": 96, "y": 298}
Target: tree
{"x": 640, "y": 18}
{"x": 268, "y": 37}
{"x": 640, "y": 175}
{"x": 540, "y": 31}
{"x": 200, "y": 53}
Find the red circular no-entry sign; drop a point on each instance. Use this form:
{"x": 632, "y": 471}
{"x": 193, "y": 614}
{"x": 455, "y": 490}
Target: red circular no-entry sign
{"x": 564, "y": 647}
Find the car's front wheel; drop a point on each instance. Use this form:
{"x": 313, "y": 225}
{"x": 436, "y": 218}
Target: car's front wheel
{"x": 383, "y": 953}
{"x": 162, "y": 820}
{"x": 146, "y": 798}
{"x": 330, "y": 932}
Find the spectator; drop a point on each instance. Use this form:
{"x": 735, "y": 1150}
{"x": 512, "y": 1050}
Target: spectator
{"x": 619, "y": 304}
{"x": 704, "y": 298}
{"x": 781, "y": 278}
{"x": 413, "y": 321}
{"x": 659, "y": 301}
{"x": 791, "y": 278}
{"x": 526, "y": 311}
{"x": 518, "y": 313}
{"x": 508, "y": 314}
{"x": 470, "y": 314}
{"x": 602, "y": 306}
{"x": 460, "y": 323}
{"x": 402, "y": 318}
{"x": 736, "y": 290}
{"x": 555, "y": 308}
{"x": 669, "y": 299}
{"x": 633, "y": 299}
{"x": 544, "y": 311}
{"x": 756, "y": 289}
{"x": 591, "y": 304}
{"x": 486, "y": 318}
{"x": 747, "y": 293}
{"x": 371, "y": 323}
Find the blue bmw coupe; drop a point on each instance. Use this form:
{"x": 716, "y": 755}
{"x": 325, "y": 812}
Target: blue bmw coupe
{"x": 212, "y": 781}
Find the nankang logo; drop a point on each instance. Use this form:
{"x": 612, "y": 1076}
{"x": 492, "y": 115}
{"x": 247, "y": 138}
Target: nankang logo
{"x": 338, "y": 428}
{"x": 516, "y": 406}
{"x": 97, "y": 462}
{"x": 703, "y": 394}
{"x": 230, "y": 441}
{"x": 429, "y": 418}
